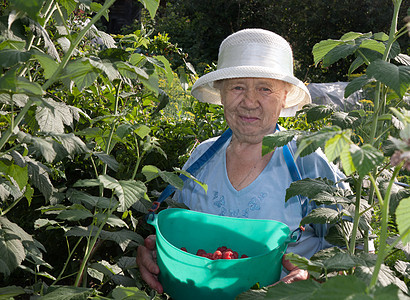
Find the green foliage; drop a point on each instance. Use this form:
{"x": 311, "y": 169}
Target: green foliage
{"x": 371, "y": 146}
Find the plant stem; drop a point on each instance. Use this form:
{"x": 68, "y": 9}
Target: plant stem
{"x": 7, "y": 134}
{"x": 356, "y": 216}
{"x": 383, "y": 232}
{"x": 109, "y": 140}
{"x": 75, "y": 43}
{"x": 67, "y": 261}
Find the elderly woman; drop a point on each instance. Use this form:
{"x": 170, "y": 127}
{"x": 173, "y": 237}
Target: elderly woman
{"x": 255, "y": 84}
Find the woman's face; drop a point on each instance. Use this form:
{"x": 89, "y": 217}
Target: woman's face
{"x": 252, "y": 106}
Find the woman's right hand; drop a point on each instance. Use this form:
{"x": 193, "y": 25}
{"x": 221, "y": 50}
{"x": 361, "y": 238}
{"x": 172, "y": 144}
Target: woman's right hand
{"x": 146, "y": 261}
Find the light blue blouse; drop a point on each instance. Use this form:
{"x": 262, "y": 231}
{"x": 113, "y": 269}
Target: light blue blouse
{"x": 264, "y": 198}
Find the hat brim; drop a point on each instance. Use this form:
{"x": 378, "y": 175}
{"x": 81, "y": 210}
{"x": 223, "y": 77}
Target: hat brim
{"x": 203, "y": 89}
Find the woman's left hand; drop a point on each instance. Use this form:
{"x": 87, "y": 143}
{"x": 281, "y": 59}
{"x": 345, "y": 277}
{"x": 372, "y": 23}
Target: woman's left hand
{"x": 295, "y": 274}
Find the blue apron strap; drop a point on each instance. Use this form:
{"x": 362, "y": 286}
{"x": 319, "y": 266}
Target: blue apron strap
{"x": 207, "y": 155}
{"x": 294, "y": 173}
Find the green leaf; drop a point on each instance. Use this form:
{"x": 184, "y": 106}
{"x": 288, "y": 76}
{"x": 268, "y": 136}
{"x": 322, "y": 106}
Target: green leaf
{"x": 121, "y": 292}
{"x": 68, "y": 293}
{"x": 403, "y": 219}
{"x": 123, "y": 237}
{"x": 322, "y": 215}
{"x": 69, "y": 5}
{"x": 142, "y": 131}
{"x": 112, "y": 220}
{"x": 48, "y": 63}
{"x": 75, "y": 212}
{"x": 31, "y": 7}
{"x": 339, "y": 52}
{"x": 11, "y": 291}
{"x": 341, "y": 288}
{"x": 309, "y": 143}
{"x": 111, "y": 162}
{"x": 190, "y": 176}
{"x": 321, "y": 49}
{"x": 150, "y": 172}
{"x": 390, "y": 292}
{"x": 167, "y": 68}
{"x": 89, "y": 201}
{"x": 335, "y": 145}
{"x": 313, "y": 267}
{"x": 127, "y": 191}
{"x": 373, "y": 45}
{"x": 96, "y": 7}
{"x": 344, "y": 120}
{"x": 10, "y": 57}
{"x": 172, "y": 179}
{"x": 82, "y": 72}
{"x": 151, "y": 6}
{"x": 356, "y": 84}
{"x": 277, "y": 139}
{"x": 351, "y": 36}
{"x": 327, "y": 198}
{"x": 12, "y": 252}
{"x": 395, "y": 77}
{"x": 347, "y": 161}
{"x": 309, "y": 187}
{"x": 365, "y": 158}
{"x": 300, "y": 290}
{"x": 318, "y": 112}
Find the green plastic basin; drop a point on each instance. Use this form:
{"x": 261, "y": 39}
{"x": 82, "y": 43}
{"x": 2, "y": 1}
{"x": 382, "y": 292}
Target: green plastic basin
{"x": 188, "y": 276}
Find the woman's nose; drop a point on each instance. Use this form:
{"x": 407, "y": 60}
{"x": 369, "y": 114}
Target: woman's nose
{"x": 251, "y": 99}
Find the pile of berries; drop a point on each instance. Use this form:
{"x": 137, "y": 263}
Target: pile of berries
{"x": 220, "y": 253}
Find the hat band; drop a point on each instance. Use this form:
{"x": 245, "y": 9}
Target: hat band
{"x": 256, "y": 54}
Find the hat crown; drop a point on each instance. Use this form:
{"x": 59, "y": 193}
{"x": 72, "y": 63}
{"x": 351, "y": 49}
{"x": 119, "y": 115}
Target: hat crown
{"x": 256, "y": 47}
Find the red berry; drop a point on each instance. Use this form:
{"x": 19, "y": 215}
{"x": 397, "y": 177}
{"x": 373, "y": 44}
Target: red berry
{"x": 217, "y": 254}
{"x": 227, "y": 255}
{"x": 184, "y": 249}
{"x": 244, "y": 256}
{"x": 201, "y": 252}
{"x": 235, "y": 254}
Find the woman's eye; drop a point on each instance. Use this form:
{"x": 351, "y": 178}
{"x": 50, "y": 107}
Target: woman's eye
{"x": 265, "y": 89}
{"x": 239, "y": 88}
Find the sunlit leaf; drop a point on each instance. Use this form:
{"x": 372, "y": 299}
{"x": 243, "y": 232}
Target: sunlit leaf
{"x": 150, "y": 172}
{"x": 151, "y": 6}
{"x": 322, "y": 48}
{"x": 309, "y": 143}
{"x": 48, "y": 63}
{"x": 403, "y": 219}
{"x": 335, "y": 145}
{"x": 277, "y": 139}
{"x": 121, "y": 292}
{"x": 373, "y": 45}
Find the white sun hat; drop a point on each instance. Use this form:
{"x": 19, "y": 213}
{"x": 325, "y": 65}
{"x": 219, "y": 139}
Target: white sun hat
{"x": 255, "y": 53}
